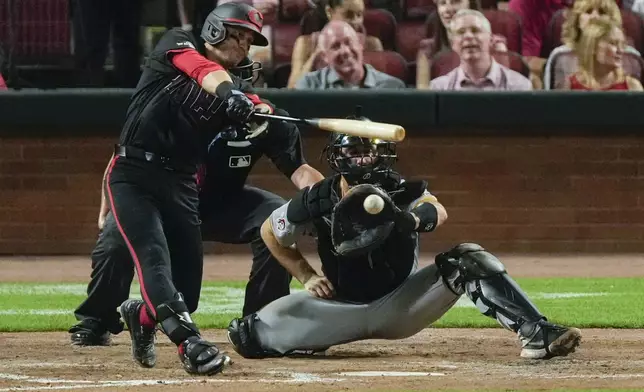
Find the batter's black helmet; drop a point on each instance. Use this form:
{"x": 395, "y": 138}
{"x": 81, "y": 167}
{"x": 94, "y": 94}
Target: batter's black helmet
{"x": 233, "y": 14}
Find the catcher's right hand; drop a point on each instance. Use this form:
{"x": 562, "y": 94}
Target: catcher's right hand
{"x": 319, "y": 286}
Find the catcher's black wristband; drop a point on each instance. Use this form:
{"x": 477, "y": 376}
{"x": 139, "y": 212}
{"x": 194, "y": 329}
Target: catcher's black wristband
{"x": 428, "y": 215}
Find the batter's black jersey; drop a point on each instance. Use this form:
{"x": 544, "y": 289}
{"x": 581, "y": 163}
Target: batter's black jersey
{"x": 229, "y": 162}
{"x": 169, "y": 113}
{"x": 360, "y": 279}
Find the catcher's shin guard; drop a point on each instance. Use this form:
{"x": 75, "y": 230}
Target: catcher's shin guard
{"x": 470, "y": 269}
{"x": 197, "y": 355}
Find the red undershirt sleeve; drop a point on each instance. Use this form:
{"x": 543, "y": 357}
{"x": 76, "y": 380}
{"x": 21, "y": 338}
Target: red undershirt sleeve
{"x": 193, "y": 64}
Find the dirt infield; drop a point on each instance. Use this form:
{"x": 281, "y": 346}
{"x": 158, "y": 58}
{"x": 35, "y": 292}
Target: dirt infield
{"x": 435, "y": 359}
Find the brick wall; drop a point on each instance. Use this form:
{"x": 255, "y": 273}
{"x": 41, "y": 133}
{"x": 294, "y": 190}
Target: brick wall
{"x": 528, "y": 194}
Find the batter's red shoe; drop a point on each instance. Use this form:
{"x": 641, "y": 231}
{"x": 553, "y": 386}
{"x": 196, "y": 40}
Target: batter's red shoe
{"x": 201, "y": 357}
{"x": 143, "y": 337}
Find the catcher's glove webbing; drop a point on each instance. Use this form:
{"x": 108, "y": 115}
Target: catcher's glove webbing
{"x": 353, "y": 230}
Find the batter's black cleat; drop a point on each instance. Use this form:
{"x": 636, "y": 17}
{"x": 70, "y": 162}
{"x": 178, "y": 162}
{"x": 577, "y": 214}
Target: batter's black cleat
{"x": 90, "y": 333}
{"x": 201, "y": 357}
{"x": 547, "y": 340}
{"x": 143, "y": 350}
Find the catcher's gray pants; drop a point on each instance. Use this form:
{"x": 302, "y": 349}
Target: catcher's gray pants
{"x": 302, "y": 322}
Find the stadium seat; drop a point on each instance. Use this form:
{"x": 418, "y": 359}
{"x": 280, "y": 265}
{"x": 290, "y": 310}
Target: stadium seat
{"x": 283, "y": 39}
{"x": 389, "y": 62}
{"x": 291, "y": 11}
{"x": 41, "y": 29}
{"x": 408, "y": 37}
{"x": 507, "y": 24}
{"x": 382, "y": 24}
{"x": 489, "y": 4}
{"x": 417, "y": 9}
{"x": 633, "y": 29}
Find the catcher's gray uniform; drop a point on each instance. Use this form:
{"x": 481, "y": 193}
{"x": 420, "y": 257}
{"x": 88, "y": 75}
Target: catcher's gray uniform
{"x": 301, "y": 321}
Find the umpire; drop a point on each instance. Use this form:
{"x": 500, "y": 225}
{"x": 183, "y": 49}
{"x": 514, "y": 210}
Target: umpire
{"x": 184, "y": 98}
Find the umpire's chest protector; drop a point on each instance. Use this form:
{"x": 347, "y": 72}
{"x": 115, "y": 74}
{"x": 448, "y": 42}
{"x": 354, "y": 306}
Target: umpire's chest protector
{"x": 368, "y": 277}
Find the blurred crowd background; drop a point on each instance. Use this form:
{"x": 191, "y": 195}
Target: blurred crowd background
{"x": 342, "y": 44}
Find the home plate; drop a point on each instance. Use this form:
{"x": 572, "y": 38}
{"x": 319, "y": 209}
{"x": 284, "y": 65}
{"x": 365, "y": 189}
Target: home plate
{"x": 389, "y": 374}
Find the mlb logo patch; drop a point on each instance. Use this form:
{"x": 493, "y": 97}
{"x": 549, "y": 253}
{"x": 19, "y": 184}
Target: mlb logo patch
{"x": 239, "y": 161}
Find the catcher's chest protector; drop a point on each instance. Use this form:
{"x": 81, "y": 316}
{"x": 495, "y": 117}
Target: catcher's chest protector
{"x": 366, "y": 278}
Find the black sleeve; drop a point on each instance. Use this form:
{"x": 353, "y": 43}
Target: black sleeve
{"x": 283, "y": 145}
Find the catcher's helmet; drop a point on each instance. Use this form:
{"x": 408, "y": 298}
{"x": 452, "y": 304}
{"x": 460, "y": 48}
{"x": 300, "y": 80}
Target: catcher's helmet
{"x": 361, "y": 160}
{"x": 233, "y": 14}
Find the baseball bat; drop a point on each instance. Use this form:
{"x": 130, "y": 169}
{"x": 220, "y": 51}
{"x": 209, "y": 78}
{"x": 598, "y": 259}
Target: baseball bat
{"x": 368, "y": 129}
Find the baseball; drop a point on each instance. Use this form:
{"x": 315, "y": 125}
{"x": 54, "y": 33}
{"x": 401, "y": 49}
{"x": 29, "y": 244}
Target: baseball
{"x": 373, "y": 204}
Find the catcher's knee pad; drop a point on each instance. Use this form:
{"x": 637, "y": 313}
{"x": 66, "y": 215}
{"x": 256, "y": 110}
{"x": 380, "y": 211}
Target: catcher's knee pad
{"x": 175, "y": 321}
{"x": 241, "y": 335}
{"x": 467, "y": 262}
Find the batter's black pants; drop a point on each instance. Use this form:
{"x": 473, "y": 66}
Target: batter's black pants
{"x": 234, "y": 219}
{"x": 156, "y": 212}
{"x": 93, "y": 21}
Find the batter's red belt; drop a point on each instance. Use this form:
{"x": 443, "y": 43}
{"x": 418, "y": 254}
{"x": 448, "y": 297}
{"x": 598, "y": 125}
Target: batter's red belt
{"x": 137, "y": 153}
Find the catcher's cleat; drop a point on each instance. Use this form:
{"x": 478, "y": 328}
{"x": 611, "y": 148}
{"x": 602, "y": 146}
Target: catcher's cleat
{"x": 201, "y": 357}
{"x": 90, "y": 333}
{"x": 143, "y": 337}
{"x": 549, "y": 340}
{"x": 242, "y": 338}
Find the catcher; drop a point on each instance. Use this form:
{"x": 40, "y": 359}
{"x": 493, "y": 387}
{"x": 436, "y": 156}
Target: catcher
{"x": 370, "y": 287}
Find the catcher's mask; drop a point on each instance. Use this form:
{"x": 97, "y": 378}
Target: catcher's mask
{"x": 247, "y": 70}
{"x": 233, "y": 14}
{"x": 361, "y": 160}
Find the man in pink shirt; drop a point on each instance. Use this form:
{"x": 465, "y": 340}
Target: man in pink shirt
{"x": 471, "y": 38}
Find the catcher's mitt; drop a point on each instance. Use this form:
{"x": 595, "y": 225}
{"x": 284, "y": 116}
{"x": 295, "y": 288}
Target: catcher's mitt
{"x": 353, "y": 230}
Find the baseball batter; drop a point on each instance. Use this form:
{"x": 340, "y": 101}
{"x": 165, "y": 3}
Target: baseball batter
{"x": 185, "y": 96}
{"x": 370, "y": 287}
{"x": 230, "y": 212}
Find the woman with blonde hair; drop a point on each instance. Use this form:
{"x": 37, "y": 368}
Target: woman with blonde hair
{"x": 562, "y": 62}
{"x": 600, "y": 52}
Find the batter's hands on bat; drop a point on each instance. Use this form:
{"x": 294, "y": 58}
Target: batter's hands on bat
{"x": 259, "y": 126}
{"x": 319, "y": 286}
{"x": 240, "y": 107}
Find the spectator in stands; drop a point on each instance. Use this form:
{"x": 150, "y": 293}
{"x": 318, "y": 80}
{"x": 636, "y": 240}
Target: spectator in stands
{"x": 307, "y": 51}
{"x": 438, "y": 30}
{"x": 535, "y": 17}
{"x": 600, "y": 51}
{"x": 342, "y": 50}
{"x": 93, "y": 21}
{"x": 636, "y": 6}
{"x": 562, "y": 62}
{"x": 471, "y": 36}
